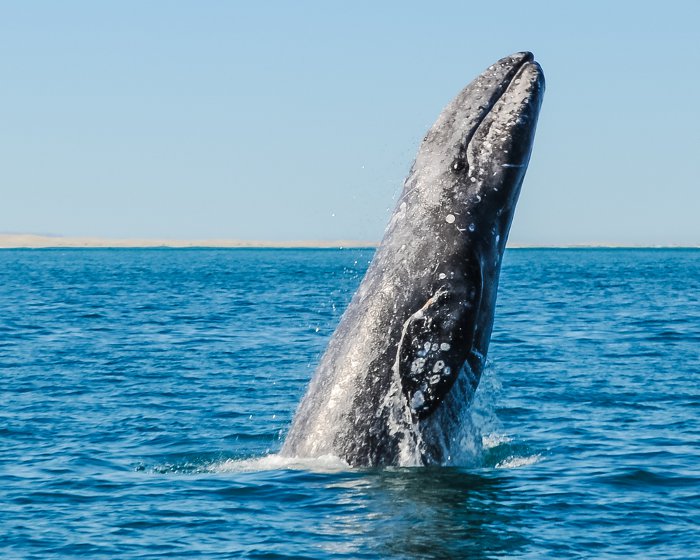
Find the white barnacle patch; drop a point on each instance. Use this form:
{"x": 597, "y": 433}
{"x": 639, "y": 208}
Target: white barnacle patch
{"x": 417, "y": 400}
{"x": 450, "y": 218}
{"x": 417, "y": 366}
{"x": 434, "y": 379}
{"x": 442, "y": 276}
{"x": 445, "y": 346}
{"x": 438, "y": 366}
{"x": 434, "y": 347}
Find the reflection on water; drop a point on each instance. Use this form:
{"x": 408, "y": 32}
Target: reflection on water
{"x": 423, "y": 513}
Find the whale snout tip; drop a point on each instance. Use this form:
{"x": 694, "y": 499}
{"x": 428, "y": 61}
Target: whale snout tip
{"x": 532, "y": 72}
{"x": 519, "y": 63}
{"x": 525, "y": 68}
{"x": 517, "y": 58}
{"x": 525, "y": 56}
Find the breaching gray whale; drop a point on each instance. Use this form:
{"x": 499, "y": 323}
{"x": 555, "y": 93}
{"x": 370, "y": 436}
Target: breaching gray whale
{"x": 409, "y": 351}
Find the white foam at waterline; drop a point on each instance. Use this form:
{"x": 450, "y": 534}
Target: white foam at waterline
{"x": 274, "y": 462}
{"x": 489, "y": 441}
{"x": 515, "y": 462}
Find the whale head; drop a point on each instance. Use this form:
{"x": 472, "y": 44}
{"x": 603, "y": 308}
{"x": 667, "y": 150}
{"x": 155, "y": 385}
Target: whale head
{"x": 475, "y": 155}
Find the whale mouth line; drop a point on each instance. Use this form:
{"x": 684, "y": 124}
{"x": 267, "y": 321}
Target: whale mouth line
{"x": 498, "y": 94}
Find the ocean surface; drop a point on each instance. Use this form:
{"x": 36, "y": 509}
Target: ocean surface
{"x": 145, "y": 393}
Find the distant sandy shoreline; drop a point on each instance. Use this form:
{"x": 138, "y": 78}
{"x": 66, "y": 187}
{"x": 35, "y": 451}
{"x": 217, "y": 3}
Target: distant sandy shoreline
{"x": 32, "y": 241}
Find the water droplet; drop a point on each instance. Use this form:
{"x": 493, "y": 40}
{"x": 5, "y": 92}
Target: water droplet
{"x": 472, "y": 227}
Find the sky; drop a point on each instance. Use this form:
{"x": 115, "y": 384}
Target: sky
{"x": 299, "y": 120}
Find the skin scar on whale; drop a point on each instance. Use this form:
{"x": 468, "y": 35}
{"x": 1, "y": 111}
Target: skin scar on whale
{"x": 402, "y": 366}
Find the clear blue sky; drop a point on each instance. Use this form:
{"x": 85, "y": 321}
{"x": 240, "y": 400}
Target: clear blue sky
{"x": 299, "y": 120}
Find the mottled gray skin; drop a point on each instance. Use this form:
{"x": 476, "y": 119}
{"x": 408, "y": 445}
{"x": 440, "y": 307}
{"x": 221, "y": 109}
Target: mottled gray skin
{"x": 409, "y": 351}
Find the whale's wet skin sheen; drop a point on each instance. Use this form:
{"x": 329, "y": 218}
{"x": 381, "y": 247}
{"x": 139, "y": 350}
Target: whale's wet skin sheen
{"x": 408, "y": 354}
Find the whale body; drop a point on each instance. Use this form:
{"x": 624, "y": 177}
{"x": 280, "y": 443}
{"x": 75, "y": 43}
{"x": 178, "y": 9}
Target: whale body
{"x": 408, "y": 353}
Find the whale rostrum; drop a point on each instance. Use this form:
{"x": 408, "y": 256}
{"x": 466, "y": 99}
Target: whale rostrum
{"x": 408, "y": 353}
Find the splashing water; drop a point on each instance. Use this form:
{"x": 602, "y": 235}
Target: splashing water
{"x": 480, "y": 444}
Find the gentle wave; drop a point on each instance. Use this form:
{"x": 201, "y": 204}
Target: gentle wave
{"x": 146, "y": 395}
{"x": 516, "y": 462}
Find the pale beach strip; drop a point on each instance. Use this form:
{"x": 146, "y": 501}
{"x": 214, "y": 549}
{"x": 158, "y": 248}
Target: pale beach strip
{"x": 34, "y": 241}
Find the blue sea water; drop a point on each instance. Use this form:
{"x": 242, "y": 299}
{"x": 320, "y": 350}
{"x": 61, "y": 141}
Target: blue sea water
{"x": 145, "y": 393}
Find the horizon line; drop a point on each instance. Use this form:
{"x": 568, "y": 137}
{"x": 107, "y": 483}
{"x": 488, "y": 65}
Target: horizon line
{"x": 35, "y": 241}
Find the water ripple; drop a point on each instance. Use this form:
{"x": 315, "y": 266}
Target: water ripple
{"x": 146, "y": 393}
